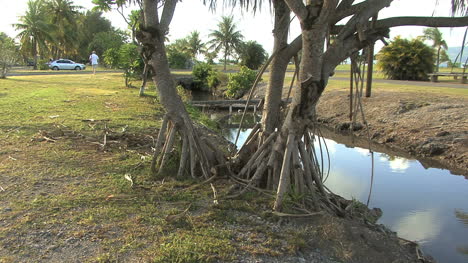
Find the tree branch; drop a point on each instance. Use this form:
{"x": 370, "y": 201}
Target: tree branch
{"x": 422, "y": 21}
{"x": 351, "y": 10}
{"x": 167, "y": 14}
{"x": 344, "y": 5}
{"x": 150, "y": 13}
{"x": 298, "y": 7}
{"x": 360, "y": 20}
{"x": 415, "y": 21}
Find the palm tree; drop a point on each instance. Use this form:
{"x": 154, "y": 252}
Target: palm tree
{"x": 64, "y": 15}
{"x": 35, "y": 31}
{"x": 195, "y": 45}
{"x": 438, "y": 42}
{"x": 459, "y": 6}
{"x": 226, "y": 38}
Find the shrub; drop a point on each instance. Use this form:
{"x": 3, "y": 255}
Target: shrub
{"x": 205, "y": 77}
{"x": 176, "y": 58}
{"x": 406, "y": 59}
{"x": 111, "y": 57}
{"x": 42, "y": 64}
{"x": 252, "y": 55}
{"x": 240, "y": 82}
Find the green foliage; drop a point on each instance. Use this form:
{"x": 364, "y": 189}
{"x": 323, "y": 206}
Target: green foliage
{"x": 226, "y": 38}
{"x": 90, "y": 24}
{"x": 130, "y": 61}
{"x": 213, "y": 80}
{"x": 252, "y": 55}
{"x": 406, "y": 59}
{"x": 176, "y": 56}
{"x": 42, "y": 64}
{"x": 111, "y": 57}
{"x": 127, "y": 58}
{"x": 438, "y": 43}
{"x": 194, "y": 45}
{"x": 8, "y": 54}
{"x": 103, "y": 41}
{"x": 240, "y": 82}
{"x": 183, "y": 93}
{"x": 205, "y": 76}
{"x": 35, "y": 31}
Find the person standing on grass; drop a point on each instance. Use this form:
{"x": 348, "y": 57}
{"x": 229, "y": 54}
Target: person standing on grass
{"x": 94, "y": 59}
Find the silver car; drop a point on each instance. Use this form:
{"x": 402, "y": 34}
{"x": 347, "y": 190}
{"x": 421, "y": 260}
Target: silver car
{"x": 65, "y": 64}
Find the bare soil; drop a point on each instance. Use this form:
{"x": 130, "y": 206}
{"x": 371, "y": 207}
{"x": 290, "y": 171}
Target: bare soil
{"x": 423, "y": 125}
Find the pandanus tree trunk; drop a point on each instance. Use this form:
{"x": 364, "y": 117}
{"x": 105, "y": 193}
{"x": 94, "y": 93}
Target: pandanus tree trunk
{"x": 286, "y": 161}
{"x": 279, "y": 64}
{"x": 198, "y": 155}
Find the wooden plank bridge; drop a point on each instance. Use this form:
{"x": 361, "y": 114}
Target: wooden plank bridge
{"x": 228, "y": 104}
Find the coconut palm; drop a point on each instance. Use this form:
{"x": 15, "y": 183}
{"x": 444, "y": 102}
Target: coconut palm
{"x": 438, "y": 42}
{"x": 35, "y": 31}
{"x": 195, "y": 46}
{"x": 459, "y": 6}
{"x": 227, "y": 38}
{"x": 64, "y": 14}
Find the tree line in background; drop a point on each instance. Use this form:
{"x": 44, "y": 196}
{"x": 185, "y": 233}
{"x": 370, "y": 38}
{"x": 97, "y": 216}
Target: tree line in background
{"x": 52, "y": 29}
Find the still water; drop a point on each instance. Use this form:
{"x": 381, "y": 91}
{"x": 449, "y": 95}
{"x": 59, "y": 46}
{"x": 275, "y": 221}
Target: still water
{"x": 426, "y": 205}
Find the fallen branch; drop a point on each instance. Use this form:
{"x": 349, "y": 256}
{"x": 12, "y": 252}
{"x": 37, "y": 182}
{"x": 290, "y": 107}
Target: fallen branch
{"x": 297, "y": 215}
{"x": 215, "y": 195}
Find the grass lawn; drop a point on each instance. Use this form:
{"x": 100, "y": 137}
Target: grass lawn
{"x": 65, "y": 197}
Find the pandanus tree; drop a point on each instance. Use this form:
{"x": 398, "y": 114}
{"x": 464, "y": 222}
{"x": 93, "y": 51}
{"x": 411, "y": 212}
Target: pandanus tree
{"x": 282, "y": 156}
{"x": 286, "y": 162}
{"x": 198, "y": 153}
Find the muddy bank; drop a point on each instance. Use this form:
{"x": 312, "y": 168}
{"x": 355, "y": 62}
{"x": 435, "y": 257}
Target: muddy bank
{"x": 429, "y": 127}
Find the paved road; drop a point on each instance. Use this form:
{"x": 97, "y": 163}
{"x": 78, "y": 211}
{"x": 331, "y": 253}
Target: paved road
{"x": 59, "y": 72}
{"x": 398, "y": 82}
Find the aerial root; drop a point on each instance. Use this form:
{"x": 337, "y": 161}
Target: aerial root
{"x": 197, "y": 155}
{"x": 288, "y": 166}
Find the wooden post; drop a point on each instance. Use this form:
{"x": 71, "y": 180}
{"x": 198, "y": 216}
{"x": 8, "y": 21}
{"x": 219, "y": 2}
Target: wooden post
{"x": 370, "y": 68}
{"x": 230, "y": 109}
{"x": 351, "y": 80}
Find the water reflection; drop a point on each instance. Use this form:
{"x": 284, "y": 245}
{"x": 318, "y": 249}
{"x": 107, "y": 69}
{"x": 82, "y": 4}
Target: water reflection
{"x": 462, "y": 216}
{"x": 419, "y": 205}
{"x": 397, "y": 164}
{"x": 420, "y": 226}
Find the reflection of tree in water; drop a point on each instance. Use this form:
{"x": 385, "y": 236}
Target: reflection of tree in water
{"x": 463, "y": 250}
{"x": 388, "y": 157}
{"x": 250, "y": 119}
{"x": 231, "y": 133}
{"x": 462, "y": 217}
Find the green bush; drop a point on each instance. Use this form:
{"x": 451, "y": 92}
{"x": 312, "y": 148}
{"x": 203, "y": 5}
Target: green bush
{"x": 252, "y": 55}
{"x": 406, "y": 59}
{"x": 240, "y": 82}
{"x": 205, "y": 77}
{"x": 176, "y": 58}
{"x": 42, "y": 64}
{"x": 111, "y": 57}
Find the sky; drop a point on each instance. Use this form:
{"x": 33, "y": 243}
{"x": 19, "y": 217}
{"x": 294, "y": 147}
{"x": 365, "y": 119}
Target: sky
{"x": 192, "y": 15}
